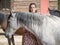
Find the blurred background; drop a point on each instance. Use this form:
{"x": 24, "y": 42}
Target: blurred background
{"x": 23, "y": 5}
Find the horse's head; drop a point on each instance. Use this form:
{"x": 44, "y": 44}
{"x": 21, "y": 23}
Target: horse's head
{"x": 13, "y": 22}
{"x": 13, "y": 25}
{"x": 4, "y": 20}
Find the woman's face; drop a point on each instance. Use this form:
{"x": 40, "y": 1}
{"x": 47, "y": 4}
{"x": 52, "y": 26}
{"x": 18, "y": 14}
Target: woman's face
{"x": 33, "y": 8}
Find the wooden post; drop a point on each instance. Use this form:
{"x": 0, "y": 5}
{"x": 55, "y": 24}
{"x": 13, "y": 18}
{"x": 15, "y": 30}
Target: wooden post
{"x": 44, "y": 6}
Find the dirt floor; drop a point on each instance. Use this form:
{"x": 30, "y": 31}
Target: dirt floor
{"x": 4, "y": 41}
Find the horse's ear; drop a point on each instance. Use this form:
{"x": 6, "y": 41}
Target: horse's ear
{"x": 13, "y": 14}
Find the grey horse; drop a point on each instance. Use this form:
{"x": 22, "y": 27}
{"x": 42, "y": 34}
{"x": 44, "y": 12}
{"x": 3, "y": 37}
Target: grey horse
{"x": 46, "y": 28}
{"x": 3, "y": 24}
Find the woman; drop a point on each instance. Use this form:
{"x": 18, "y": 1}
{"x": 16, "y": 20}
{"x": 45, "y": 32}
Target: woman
{"x": 28, "y": 37}
{"x": 33, "y": 8}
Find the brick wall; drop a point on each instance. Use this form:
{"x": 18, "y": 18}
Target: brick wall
{"x": 53, "y": 4}
{"x": 23, "y": 5}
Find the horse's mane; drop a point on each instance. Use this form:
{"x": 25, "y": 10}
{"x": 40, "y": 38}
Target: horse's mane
{"x": 54, "y": 12}
{"x": 29, "y": 17}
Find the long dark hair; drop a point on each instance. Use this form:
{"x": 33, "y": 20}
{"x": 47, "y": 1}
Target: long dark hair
{"x": 30, "y": 7}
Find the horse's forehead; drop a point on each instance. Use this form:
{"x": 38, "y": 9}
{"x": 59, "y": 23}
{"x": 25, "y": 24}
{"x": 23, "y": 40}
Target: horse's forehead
{"x": 13, "y": 14}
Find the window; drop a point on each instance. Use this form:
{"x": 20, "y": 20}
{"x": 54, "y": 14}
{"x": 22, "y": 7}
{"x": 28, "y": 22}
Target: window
{"x": 4, "y": 5}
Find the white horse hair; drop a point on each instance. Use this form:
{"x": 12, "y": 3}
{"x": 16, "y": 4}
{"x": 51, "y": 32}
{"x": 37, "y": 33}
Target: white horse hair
{"x": 45, "y": 28}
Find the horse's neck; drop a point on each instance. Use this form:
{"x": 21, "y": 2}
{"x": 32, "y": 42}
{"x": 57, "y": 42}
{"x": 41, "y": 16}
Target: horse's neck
{"x": 35, "y": 28}
{"x": 31, "y": 21}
